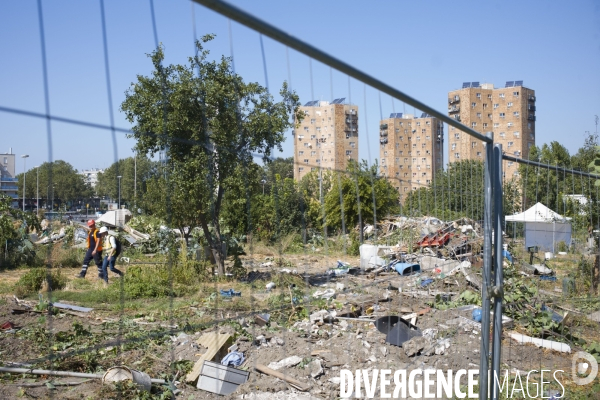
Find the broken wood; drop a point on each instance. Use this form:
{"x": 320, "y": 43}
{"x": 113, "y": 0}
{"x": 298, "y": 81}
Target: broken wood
{"x": 296, "y": 383}
{"x": 214, "y": 341}
{"x": 59, "y": 373}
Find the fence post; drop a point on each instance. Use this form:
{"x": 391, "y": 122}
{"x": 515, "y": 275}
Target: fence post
{"x": 497, "y": 291}
{"x": 487, "y": 266}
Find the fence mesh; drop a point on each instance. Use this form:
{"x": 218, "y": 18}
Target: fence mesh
{"x": 287, "y": 271}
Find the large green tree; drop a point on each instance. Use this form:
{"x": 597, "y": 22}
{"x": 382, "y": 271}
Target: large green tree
{"x": 376, "y": 197}
{"x": 207, "y": 122}
{"x": 57, "y": 180}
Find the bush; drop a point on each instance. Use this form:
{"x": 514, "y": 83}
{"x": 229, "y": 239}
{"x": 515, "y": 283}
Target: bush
{"x": 33, "y": 280}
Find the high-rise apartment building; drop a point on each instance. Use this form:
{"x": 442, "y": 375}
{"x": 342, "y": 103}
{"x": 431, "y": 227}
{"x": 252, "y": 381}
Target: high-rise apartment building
{"x": 327, "y": 137}
{"x": 411, "y": 150}
{"x": 8, "y": 181}
{"x": 508, "y": 112}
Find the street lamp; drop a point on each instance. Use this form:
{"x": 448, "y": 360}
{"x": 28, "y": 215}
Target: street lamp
{"x": 24, "y": 157}
{"x": 37, "y": 191}
{"x": 263, "y": 183}
{"x": 119, "y": 191}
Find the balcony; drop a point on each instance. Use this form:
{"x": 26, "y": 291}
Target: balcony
{"x": 7, "y": 179}
{"x": 531, "y": 117}
{"x": 9, "y": 187}
{"x": 456, "y": 117}
{"x": 383, "y": 126}
{"x": 383, "y": 133}
{"x": 453, "y": 100}
{"x": 531, "y": 98}
{"x": 383, "y": 141}
{"x": 530, "y": 107}
{"x": 453, "y": 109}
{"x": 350, "y": 112}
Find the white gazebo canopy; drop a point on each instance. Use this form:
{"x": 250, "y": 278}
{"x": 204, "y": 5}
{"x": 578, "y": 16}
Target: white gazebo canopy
{"x": 543, "y": 227}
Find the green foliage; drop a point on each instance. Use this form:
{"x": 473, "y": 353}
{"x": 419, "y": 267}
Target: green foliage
{"x": 376, "y": 197}
{"x": 32, "y": 281}
{"x": 15, "y": 226}
{"x": 67, "y": 185}
{"x": 213, "y": 122}
{"x": 129, "y": 168}
{"x": 465, "y": 298}
{"x": 454, "y": 193}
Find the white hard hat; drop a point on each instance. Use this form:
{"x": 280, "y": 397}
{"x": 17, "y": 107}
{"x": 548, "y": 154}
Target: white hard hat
{"x": 103, "y": 229}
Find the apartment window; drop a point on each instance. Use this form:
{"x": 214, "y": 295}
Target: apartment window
{"x": 496, "y": 105}
{"x": 490, "y": 116}
{"x": 306, "y": 144}
{"x": 478, "y": 115}
{"x": 484, "y": 106}
{"x": 516, "y": 113}
{"x": 509, "y": 124}
{"x": 318, "y": 129}
{"x": 5, "y": 160}
{"x": 306, "y": 160}
{"x": 347, "y": 136}
{"x": 510, "y": 163}
{"x": 406, "y": 131}
{"x": 300, "y": 137}
{"x": 382, "y": 160}
{"x": 428, "y": 137}
{"x": 489, "y": 96}
{"x": 306, "y": 129}
{"x": 478, "y": 154}
{"x": 418, "y": 123}
{"x": 428, "y": 123}
{"x": 312, "y": 121}
{"x": 516, "y": 94}
{"x": 510, "y": 144}
{"x": 300, "y": 169}
{"x": 428, "y": 181}
{"x": 485, "y": 125}
{"x": 385, "y": 153}
{"x": 456, "y": 155}
{"x": 453, "y": 146}
{"x": 397, "y": 160}
{"x": 473, "y": 145}
{"x": 502, "y": 135}
{"x": 457, "y": 136}
{"x": 313, "y": 136}
{"x": 348, "y": 152}
{"x": 509, "y": 104}
{"x": 428, "y": 166}
{"x": 423, "y": 159}
{"x": 301, "y": 153}
{"x": 414, "y": 160}
{"x": 496, "y": 125}
{"x": 405, "y": 160}
{"x": 313, "y": 153}
{"x": 517, "y": 153}
{"x": 478, "y": 95}
{"x": 529, "y": 145}
{"x": 473, "y": 105}
{"x": 414, "y": 145}
{"x": 352, "y": 144}
{"x": 502, "y": 115}
{"x": 529, "y": 125}
{"x": 501, "y": 95}
{"x": 516, "y": 133}
{"x": 423, "y": 130}
{"x": 397, "y": 130}
{"x": 418, "y": 137}
{"x": 473, "y": 124}
{"x": 531, "y": 137}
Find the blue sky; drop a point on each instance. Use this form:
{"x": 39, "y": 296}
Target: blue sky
{"x": 423, "y": 48}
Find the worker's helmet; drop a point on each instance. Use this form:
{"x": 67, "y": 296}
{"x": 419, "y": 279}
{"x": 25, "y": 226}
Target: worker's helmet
{"x": 91, "y": 223}
{"x": 103, "y": 229}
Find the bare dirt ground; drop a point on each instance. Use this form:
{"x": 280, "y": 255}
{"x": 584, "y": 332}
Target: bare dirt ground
{"x": 324, "y": 347}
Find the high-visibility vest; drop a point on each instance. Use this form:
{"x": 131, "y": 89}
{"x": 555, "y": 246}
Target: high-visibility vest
{"x": 94, "y": 233}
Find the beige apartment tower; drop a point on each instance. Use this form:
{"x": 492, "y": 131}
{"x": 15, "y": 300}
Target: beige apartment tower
{"x": 326, "y": 138}
{"x": 508, "y": 112}
{"x": 411, "y": 150}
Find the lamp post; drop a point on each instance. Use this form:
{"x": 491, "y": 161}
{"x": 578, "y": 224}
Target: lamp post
{"x": 37, "y": 190}
{"x": 24, "y": 157}
{"x": 119, "y": 191}
{"x": 263, "y": 183}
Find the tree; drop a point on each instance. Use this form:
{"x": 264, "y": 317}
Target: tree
{"x": 57, "y": 180}
{"x": 376, "y": 197}
{"x": 14, "y": 236}
{"x": 208, "y": 122}
{"x": 131, "y": 170}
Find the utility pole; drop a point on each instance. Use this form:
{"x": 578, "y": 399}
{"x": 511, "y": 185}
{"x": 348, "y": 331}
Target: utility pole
{"x": 24, "y": 157}
{"x": 37, "y": 191}
{"x": 135, "y": 181}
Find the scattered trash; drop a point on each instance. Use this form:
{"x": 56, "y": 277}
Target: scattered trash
{"x": 123, "y": 373}
{"x": 286, "y": 362}
{"x": 7, "y": 326}
{"x": 297, "y": 384}
{"x": 406, "y": 269}
{"x": 547, "y": 278}
{"x": 324, "y": 294}
{"x": 219, "y": 379}
{"x": 214, "y": 342}
{"x": 230, "y": 293}
{"x": 270, "y": 286}
{"x": 477, "y": 314}
{"x": 234, "y": 358}
{"x": 547, "y": 344}
{"x": 262, "y": 319}
{"x": 426, "y": 282}
{"x": 414, "y": 345}
{"x": 315, "y": 368}
{"x": 72, "y": 307}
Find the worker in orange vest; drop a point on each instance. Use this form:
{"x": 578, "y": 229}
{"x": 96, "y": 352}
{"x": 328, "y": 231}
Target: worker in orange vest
{"x": 94, "y": 250}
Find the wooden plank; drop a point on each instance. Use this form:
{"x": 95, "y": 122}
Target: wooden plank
{"x": 266, "y": 370}
{"x": 214, "y": 341}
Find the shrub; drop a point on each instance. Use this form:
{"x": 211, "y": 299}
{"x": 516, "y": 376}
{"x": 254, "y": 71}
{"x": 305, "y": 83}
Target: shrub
{"x": 33, "y": 280}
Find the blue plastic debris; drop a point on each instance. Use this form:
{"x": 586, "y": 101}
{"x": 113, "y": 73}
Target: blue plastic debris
{"x": 556, "y": 317}
{"x": 426, "y": 282}
{"x": 507, "y": 255}
{"x": 477, "y": 314}
{"x": 406, "y": 269}
{"x": 234, "y": 358}
{"x": 547, "y": 278}
{"x": 230, "y": 293}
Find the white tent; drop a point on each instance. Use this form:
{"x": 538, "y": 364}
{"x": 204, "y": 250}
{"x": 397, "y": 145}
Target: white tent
{"x": 543, "y": 227}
